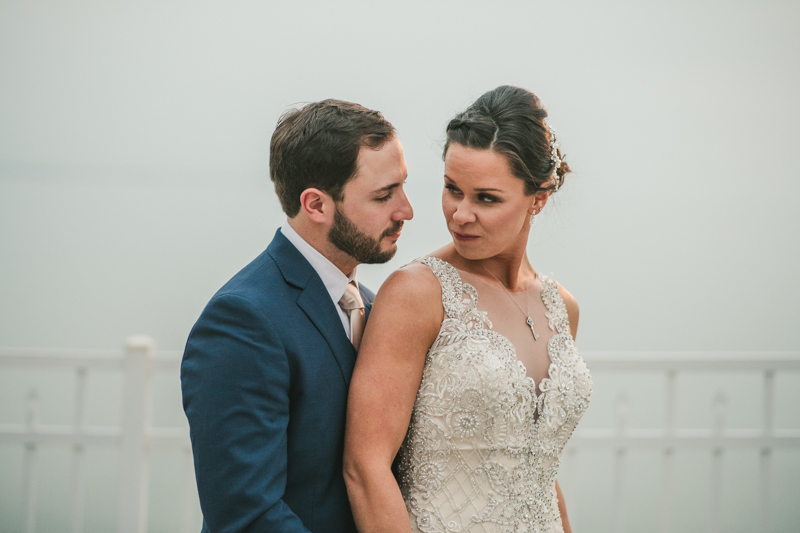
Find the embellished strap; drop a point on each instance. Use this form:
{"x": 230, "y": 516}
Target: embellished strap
{"x": 457, "y": 298}
{"x": 556, "y": 314}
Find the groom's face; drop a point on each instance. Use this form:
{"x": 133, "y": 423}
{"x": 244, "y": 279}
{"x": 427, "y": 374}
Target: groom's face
{"x": 368, "y": 220}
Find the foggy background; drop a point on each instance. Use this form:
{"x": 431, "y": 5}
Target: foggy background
{"x": 134, "y": 172}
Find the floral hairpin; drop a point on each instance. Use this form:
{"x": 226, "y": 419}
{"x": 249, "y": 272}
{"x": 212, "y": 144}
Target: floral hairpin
{"x": 554, "y": 157}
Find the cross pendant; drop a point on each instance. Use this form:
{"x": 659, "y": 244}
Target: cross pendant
{"x": 530, "y": 323}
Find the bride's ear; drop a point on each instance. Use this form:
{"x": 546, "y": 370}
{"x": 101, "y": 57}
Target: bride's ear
{"x": 539, "y": 201}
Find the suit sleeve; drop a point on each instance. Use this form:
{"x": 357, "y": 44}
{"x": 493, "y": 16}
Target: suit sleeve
{"x": 235, "y": 382}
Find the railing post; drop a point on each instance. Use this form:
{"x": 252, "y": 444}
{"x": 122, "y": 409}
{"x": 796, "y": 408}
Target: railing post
{"x": 78, "y": 467}
{"x": 669, "y": 454}
{"x": 132, "y": 517}
{"x": 188, "y": 492}
{"x": 619, "y": 467}
{"x": 715, "y": 515}
{"x": 31, "y": 470}
{"x": 765, "y": 466}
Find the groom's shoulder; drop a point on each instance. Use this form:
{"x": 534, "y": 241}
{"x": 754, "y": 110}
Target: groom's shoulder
{"x": 261, "y": 282}
{"x": 258, "y": 273}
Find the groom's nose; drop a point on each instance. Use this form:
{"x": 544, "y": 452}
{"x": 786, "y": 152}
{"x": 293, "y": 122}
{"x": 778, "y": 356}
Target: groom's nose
{"x": 404, "y": 211}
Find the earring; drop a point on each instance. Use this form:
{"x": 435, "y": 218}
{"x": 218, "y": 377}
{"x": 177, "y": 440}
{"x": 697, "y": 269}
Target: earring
{"x": 533, "y": 217}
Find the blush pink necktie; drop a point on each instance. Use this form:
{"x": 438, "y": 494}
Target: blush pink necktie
{"x": 353, "y": 305}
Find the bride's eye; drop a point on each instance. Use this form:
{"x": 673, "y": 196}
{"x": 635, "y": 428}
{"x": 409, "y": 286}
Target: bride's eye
{"x": 453, "y": 189}
{"x": 488, "y": 199}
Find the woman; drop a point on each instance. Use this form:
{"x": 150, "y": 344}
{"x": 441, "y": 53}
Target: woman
{"x": 468, "y": 366}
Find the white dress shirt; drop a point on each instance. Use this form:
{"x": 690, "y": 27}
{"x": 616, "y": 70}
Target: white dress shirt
{"x": 333, "y": 278}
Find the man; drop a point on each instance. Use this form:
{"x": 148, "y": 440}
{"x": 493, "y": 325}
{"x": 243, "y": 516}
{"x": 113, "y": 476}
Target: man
{"x": 268, "y": 364}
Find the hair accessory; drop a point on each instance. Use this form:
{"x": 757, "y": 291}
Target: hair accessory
{"x": 554, "y": 157}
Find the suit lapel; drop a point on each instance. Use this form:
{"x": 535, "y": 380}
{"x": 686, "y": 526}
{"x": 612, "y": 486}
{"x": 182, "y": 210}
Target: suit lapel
{"x": 317, "y": 305}
{"x": 315, "y": 301}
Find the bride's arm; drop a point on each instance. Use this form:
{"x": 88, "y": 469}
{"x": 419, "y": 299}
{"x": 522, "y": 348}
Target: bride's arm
{"x": 403, "y": 323}
{"x": 573, "y": 311}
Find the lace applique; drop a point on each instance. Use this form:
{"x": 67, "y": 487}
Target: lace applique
{"x": 556, "y": 311}
{"x": 483, "y": 450}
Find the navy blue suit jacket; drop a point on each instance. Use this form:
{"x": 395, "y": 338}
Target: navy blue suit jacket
{"x": 265, "y": 377}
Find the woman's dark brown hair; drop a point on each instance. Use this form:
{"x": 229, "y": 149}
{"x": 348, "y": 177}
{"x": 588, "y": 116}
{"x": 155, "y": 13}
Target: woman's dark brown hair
{"x": 510, "y": 121}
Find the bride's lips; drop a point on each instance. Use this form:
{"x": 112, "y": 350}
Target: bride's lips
{"x": 464, "y": 237}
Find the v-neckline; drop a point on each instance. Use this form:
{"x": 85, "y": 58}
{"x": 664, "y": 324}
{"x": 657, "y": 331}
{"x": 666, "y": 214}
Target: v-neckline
{"x": 536, "y": 386}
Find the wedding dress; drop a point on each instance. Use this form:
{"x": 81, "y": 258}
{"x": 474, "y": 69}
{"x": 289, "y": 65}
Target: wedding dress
{"x": 484, "y": 443}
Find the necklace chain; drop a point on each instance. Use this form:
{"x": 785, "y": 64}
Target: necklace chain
{"x": 528, "y": 319}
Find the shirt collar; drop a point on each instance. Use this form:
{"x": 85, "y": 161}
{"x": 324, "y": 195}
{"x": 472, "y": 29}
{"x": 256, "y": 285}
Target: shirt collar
{"x": 334, "y": 280}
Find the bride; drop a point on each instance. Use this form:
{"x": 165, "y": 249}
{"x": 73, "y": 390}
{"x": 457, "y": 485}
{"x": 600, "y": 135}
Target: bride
{"x": 468, "y": 383}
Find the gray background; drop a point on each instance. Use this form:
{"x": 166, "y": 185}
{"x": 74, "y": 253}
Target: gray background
{"x": 134, "y": 172}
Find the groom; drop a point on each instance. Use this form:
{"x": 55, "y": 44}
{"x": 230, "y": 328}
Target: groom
{"x": 267, "y": 365}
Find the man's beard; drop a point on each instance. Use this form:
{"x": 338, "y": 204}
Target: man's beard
{"x": 348, "y": 238}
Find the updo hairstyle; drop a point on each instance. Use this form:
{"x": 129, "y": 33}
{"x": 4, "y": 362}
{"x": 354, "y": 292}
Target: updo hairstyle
{"x": 510, "y": 121}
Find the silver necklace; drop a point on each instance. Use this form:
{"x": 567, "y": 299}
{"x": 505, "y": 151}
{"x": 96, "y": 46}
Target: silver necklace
{"x": 528, "y": 319}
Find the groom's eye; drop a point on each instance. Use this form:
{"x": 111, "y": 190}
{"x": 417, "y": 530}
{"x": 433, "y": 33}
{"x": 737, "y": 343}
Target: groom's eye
{"x": 383, "y": 198}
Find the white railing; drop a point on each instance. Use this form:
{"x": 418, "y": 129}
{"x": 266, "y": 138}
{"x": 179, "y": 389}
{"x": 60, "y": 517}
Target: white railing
{"x": 136, "y": 436}
{"x": 716, "y": 439}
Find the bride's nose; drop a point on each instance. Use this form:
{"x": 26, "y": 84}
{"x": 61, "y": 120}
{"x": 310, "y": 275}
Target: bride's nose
{"x": 463, "y": 213}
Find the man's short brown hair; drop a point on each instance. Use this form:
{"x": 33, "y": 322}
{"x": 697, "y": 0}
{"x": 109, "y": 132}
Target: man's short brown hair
{"x": 317, "y": 146}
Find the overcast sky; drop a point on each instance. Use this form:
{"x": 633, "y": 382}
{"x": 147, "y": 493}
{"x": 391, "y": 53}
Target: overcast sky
{"x": 134, "y": 154}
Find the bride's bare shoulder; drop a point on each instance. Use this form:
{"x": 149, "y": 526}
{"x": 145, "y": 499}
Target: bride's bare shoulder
{"x": 415, "y": 279}
{"x": 573, "y": 311}
{"x": 411, "y": 295}
{"x": 413, "y": 284}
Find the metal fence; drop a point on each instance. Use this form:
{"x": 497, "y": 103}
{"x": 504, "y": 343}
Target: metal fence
{"x": 135, "y": 437}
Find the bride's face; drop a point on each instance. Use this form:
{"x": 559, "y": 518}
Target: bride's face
{"x": 485, "y": 205}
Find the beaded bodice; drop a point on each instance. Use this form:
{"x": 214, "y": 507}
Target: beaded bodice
{"x": 483, "y": 448}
